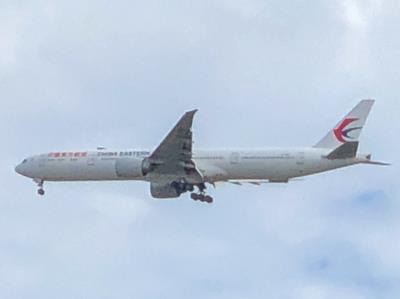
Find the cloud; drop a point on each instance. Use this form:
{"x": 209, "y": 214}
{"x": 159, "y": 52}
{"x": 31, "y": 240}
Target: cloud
{"x": 262, "y": 74}
{"x": 325, "y": 292}
{"x": 360, "y": 14}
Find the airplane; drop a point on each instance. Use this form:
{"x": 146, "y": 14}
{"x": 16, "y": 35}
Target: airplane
{"x": 173, "y": 168}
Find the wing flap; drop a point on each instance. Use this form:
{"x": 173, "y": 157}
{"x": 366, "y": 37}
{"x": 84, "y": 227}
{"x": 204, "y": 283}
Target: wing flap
{"x": 261, "y": 182}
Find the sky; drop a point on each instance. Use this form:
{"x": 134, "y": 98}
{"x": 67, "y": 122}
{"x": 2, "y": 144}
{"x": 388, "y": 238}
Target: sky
{"x": 81, "y": 74}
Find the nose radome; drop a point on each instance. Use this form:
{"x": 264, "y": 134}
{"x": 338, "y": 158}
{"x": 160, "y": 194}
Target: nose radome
{"x": 18, "y": 169}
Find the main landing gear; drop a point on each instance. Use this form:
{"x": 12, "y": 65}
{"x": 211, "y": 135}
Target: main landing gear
{"x": 182, "y": 187}
{"x": 40, "y": 187}
{"x": 202, "y": 196}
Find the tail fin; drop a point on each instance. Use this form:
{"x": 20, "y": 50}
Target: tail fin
{"x": 348, "y": 130}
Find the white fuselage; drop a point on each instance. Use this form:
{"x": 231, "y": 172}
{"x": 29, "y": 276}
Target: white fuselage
{"x": 174, "y": 168}
{"x": 275, "y": 164}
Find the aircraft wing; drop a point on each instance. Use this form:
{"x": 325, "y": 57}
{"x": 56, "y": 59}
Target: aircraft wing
{"x": 172, "y": 159}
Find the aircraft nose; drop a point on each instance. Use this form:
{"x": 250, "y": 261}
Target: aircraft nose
{"x": 25, "y": 169}
{"x": 21, "y": 169}
{"x": 18, "y": 169}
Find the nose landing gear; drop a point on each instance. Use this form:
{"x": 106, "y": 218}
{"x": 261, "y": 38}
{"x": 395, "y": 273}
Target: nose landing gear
{"x": 40, "y": 183}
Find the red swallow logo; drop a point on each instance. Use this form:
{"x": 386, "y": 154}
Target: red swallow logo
{"x": 342, "y": 133}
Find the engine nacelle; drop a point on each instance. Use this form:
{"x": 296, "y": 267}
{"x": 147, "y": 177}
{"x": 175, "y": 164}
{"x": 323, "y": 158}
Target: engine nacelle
{"x": 130, "y": 168}
{"x": 163, "y": 191}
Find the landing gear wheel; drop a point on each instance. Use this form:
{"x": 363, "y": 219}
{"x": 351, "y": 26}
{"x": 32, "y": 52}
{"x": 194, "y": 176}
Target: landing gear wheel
{"x": 208, "y": 199}
{"x": 39, "y": 183}
{"x": 201, "y": 197}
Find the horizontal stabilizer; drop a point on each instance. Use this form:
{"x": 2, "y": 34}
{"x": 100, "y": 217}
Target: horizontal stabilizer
{"x": 377, "y": 163}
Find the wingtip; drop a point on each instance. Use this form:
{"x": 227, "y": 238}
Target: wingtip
{"x": 192, "y": 111}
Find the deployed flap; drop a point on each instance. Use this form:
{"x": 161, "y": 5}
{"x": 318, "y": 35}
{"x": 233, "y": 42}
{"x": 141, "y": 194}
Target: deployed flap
{"x": 174, "y": 155}
{"x": 260, "y": 182}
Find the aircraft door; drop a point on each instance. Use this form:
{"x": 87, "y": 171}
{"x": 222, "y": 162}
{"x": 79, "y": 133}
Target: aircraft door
{"x": 91, "y": 160}
{"x": 42, "y": 161}
{"x": 235, "y": 158}
{"x": 300, "y": 158}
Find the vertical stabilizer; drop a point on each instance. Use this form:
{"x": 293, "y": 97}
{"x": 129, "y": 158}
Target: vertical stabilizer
{"x": 349, "y": 128}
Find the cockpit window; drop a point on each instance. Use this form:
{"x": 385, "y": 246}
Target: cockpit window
{"x": 25, "y": 160}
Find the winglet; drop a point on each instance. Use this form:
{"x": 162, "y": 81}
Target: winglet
{"x": 192, "y": 111}
{"x": 189, "y": 115}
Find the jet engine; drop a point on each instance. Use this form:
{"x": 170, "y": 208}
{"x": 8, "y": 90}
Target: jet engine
{"x": 164, "y": 191}
{"x": 171, "y": 190}
{"x": 130, "y": 168}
